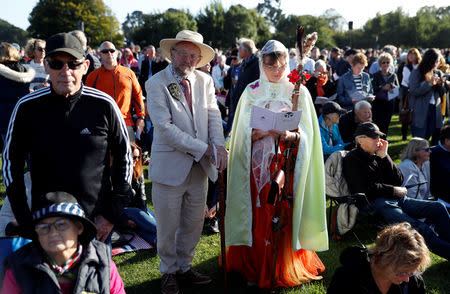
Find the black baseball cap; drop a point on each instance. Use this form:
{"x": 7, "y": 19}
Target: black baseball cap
{"x": 332, "y": 107}
{"x": 64, "y": 42}
{"x": 335, "y": 49}
{"x": 368, "y": 129}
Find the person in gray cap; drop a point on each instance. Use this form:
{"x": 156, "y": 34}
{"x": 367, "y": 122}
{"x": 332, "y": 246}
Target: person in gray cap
{"x": 369, "y": 169}
{"x": 76, "y": 141}
{"x": 329, "y": 130}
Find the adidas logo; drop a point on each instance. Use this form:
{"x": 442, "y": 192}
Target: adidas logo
{"x": 85, "y": 131}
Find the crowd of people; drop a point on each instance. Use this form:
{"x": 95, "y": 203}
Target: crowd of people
{"x": 180, "y": 104}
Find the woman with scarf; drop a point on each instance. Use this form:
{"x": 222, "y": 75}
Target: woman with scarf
{"x": 129, "y": 61}
{"x": 63, "y": 257}
{"x": 272, "y": 244}
{"x": 320, "y": 85}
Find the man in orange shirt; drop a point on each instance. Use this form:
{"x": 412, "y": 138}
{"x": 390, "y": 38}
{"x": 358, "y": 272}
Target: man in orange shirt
{"x": 120, "y": 83}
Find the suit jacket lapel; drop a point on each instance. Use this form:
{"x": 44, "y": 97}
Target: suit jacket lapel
{"x": 183, "y": 101}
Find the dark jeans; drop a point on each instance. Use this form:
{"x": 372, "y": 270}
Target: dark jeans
{"x": 411, "y": 210}
{"x": 146, "y": 223}
{"x": 430, "y": 124}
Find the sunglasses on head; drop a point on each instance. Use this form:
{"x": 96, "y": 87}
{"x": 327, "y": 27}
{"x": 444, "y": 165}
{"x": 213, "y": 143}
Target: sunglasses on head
{"x": 105, "y": 51}
{"x": 58, "y": 64}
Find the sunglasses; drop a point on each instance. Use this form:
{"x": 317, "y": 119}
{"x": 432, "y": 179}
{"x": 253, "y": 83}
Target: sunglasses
{"x": 59, "y": 64}
{"x": 135, "y": 157}
{"x": 44, "y": 228}
{"x": 40, "y": 49}
{"x": 427, "y": 149}
{"x": 385, "y": 62}
{"x": 106, "y": 51}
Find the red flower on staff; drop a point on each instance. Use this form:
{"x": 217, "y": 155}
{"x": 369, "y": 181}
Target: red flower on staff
{"x": 294, "y": 77}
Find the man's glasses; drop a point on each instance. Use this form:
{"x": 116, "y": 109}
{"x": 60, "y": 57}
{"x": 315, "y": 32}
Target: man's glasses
{"x": 57, "y": 64}
{"x": 60, "y": 225}
{"x": 192, "y": 57}
{"x": 40, "y": 49}
{"x": 106, "y": 51}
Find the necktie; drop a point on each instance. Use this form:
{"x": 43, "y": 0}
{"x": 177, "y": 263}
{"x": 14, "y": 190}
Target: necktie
{"x": 187, "y": 92}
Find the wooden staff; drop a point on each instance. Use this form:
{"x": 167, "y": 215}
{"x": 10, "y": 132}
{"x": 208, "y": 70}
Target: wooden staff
{"x": 221, "y": 192}
{"x": 299, "y": 41}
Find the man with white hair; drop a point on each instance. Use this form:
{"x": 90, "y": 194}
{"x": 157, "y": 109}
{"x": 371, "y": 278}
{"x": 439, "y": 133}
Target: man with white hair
{"x": 248, "y": 73}
{"x": 94, "y": 62}
{"x": 219, "y": 71}
{"x": 349, "y": 122}
{"x": 188, "y": 147}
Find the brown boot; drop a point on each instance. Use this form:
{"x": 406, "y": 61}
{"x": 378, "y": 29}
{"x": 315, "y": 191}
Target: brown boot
{"x": 193, "y": 277}
{"x": 169, "y": 284}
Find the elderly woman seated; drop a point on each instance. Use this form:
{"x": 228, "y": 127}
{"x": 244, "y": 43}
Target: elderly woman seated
{"x": 393, "y": 265}
{"x": 319, "y": 84}
{"x": 415, "y": 167}
{"x": 329, "y": 131}
{"x": 63, "y": 257}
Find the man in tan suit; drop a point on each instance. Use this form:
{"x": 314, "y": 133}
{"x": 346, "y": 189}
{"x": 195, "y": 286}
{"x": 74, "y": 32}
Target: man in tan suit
{"x": 188, "y": 148}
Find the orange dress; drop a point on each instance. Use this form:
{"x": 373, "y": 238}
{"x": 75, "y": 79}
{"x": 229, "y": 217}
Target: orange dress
{"x": 272, "y": 233}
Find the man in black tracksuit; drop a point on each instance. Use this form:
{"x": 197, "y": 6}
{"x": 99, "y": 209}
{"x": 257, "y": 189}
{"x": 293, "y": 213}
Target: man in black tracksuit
{"x": 76, "y": 140}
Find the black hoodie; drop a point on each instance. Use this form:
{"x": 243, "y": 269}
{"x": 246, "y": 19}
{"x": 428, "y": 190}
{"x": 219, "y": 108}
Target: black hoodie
{"x": 354, "y": 276}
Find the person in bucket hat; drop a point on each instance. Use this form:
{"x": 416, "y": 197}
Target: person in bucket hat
{"x": 188, "y": 147}
{"x": 63, "y": 250}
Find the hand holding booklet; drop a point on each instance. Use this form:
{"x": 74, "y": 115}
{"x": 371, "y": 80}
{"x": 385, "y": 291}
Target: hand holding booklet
{"x": 265, "y": 119}
{"x": 360, "y": 95}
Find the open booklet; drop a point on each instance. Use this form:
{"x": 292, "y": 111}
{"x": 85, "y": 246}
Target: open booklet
{"x": 323, "y": 100}
{"x": 360, "y": 95}
{"x": 266, "y": 119}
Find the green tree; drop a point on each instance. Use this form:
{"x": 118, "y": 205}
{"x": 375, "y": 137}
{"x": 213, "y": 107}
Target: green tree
{"x": 271, "y": 10}
{"x": 163, "y": 25}
{"x": 211, "y": 24}
{"x": 131, "y": 23}
{"x": 285, "y": 31}
{"x": 49, "y": 17}
{"x": 245, "y": 23}
{"x": 12, "y": 34}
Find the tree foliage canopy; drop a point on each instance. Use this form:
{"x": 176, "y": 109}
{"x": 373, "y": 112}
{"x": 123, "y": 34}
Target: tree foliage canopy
{"x": 12, "y": 34}
{"x": 221, "y": 27}
{"x": 49, "y": 17}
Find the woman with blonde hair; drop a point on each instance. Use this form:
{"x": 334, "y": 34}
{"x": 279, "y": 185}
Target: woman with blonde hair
{"x": 35, "y": 49}
{"x": 393, "y": 265}
{"x": 415, "y": 167}
{"x": 15, "y": 81}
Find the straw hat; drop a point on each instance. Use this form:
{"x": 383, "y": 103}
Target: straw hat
{"x": 206, "y": 52}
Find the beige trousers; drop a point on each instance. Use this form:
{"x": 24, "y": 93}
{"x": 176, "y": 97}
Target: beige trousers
{"x": 179, "y": 212}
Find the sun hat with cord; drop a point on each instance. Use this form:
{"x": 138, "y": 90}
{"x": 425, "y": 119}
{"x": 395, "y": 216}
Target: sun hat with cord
{"x": 63, "y": 204}
{"x": 206, "y": 52}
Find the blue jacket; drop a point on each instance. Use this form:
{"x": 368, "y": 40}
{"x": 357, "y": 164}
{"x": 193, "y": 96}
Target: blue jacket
{"x": 338, "y": 144}
{"x": 346, "y": 87}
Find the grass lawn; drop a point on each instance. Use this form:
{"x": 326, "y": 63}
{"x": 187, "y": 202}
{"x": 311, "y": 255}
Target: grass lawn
{"x": 140, "y": 273}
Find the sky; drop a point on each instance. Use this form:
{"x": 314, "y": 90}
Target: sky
{"x": 16, "y": 11}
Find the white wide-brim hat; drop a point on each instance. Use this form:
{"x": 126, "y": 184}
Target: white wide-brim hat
{"x": 206, "y": 52}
